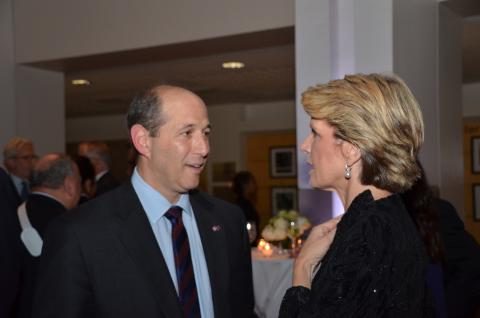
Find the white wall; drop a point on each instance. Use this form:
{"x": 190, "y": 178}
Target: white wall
{"x": 40, "y": 109}
{"x": 449, "y": 113}
{"x": 471, "y": 100}
{"x": 415, "y": 60}
{"x": 54, "y": 29}
{"x": 7, "y": 73}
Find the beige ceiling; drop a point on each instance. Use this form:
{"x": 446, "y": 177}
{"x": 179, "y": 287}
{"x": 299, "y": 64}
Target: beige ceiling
{"x": 269, "y": 73}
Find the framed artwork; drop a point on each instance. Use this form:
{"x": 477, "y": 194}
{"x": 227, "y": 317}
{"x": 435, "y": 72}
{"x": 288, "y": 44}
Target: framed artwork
{"x": 284, "y": 198}
{"x": 476, "y": 201}
{"x": 283, "y": 162}
{"x": 476, "y": 155}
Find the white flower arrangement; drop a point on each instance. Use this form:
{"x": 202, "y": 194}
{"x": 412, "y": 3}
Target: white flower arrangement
{"x": 279, "y": 225}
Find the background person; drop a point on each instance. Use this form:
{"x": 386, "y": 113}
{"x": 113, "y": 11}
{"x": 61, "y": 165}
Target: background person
{"x": 366, "y": 132}
{"x": 99, "y": 154}
{"x": 87, "y": 175}
{"x": 19, "y": 157}
{"x": 55, "y": 183}
{"x": 245, "y": 188}
{"x": 9, "y": 245}
{"x": 452, "y": 250}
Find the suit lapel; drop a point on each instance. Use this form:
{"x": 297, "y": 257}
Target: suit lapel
{"x": 136, "y": 234}
{"x": 212, "y": 233}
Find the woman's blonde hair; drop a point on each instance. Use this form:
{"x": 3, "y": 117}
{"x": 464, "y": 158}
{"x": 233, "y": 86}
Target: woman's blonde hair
{"x": 379, "y": 115}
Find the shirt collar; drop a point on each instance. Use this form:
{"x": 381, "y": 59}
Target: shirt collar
{"x": 101, "y": 174}
{"x": 48, "y": 196}
{"x": 153, "y": 202}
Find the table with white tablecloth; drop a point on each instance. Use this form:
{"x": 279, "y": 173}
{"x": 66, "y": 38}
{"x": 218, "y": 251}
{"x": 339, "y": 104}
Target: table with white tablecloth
{"x": 272, "y": 276}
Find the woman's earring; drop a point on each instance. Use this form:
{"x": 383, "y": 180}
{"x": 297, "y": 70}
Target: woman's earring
{"x": 348, "y": 171}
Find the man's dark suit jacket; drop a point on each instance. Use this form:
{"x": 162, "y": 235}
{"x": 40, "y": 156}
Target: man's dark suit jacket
{"x": 102, "y": 260}
{"x": 40, "y": 210}
{"x": 106, "y": 183}
{"x": 9, "y": 244}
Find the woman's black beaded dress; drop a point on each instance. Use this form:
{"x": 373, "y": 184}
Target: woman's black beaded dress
{"x": 375, "y": 267}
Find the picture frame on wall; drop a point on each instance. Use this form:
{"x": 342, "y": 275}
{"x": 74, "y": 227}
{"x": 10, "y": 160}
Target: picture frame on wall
{"x": 283, "y": 162}
{"x": 476, "y": 155}
{"x": 284, "y": 198}
{"x": 476, "y": 201}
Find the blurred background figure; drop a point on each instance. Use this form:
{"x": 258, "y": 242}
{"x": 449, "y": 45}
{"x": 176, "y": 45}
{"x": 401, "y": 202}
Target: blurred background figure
{"x": 99, "y": 154}
{"x": 454, "y": 269}
{"x": 82, "y": 148}
{"x": 55, "y": 183}
{"x": 87, "y": 175}
{"x": 19, "y": 157}
{"x": 245, "y": 188}
{"x": 132, "y": 157}
{"x": 9, "y": 245}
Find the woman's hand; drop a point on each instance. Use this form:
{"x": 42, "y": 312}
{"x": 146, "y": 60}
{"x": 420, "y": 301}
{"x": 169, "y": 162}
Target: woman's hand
{"x": 313, "y": 251}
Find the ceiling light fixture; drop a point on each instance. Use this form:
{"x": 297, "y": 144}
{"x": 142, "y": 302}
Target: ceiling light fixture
{"x": 233, "y": 65}
{"x": 80, "y": 82}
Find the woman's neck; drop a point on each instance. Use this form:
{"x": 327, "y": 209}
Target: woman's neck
{"x": 353, "y": 189}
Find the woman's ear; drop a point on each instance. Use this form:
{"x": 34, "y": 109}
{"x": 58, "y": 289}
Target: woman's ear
{"x": 351, "y": 153}
{"x": 140, "y": 139}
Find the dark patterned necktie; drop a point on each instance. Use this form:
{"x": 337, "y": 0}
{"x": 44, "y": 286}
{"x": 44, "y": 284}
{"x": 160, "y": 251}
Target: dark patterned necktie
{"x": 24, "y": 191}
{"x": 187, "y": 289}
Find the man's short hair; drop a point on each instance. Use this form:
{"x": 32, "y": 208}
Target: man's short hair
{"x": 53, "y": 174}
{"x": 12, "y": 148}
{"x": 99, "y": 150}
{"x": 146, "y": 110}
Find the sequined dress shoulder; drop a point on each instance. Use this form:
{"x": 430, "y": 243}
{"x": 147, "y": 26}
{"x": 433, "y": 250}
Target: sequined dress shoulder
{"x": 375, "y": 267}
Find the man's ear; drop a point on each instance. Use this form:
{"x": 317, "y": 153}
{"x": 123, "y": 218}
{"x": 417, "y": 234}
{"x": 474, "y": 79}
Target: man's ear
{"x": 351, "y": 153}
{"x": 141, "y": 139}
{"x": 68, "y": 185}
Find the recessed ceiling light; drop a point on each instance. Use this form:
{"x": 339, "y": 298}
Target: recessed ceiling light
{"x": 233, "y": 65}
{"x": 80, "y": 81}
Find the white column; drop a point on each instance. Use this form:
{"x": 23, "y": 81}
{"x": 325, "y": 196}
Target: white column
{"x": 40, "y": 108}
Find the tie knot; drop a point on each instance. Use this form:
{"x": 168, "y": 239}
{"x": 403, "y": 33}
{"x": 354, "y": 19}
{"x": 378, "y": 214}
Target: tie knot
{"x": 174, "y": 213}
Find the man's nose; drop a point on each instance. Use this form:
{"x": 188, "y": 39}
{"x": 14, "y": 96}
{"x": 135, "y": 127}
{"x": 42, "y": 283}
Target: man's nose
{"x": 202, "y": 145}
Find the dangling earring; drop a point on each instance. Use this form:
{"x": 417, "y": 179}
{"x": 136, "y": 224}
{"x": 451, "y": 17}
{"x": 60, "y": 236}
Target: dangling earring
{"x": 348, "y": 171}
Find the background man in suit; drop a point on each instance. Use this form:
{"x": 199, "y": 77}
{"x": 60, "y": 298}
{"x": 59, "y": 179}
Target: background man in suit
{"x": 117, "y": 255}
{"x": 19, "y": 157}
{"x": 55, "y": 184}
{"x": 99, "y": 154}
{"x": 9, "y": 245}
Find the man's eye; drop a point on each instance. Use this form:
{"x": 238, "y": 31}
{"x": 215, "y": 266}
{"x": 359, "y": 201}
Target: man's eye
{"x": 206, "y": 133}
{"x": 187, "y": 133}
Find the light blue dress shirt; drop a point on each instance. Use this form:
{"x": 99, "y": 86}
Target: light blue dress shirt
{"x": 18, "y": 183}
{"x": 155, "y": 206}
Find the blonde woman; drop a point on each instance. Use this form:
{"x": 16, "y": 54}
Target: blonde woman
{"x": 366, "y": 133}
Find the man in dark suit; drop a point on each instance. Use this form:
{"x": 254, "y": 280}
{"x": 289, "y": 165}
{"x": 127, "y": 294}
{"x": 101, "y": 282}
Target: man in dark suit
{"x": 9, "y": 245}
{"x": 119, "y": 256}
{"x": 55, "y": 183}
{"x": 19, "y": 157}
{"x": 99, "y": 154}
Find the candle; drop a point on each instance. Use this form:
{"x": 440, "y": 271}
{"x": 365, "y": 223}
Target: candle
{"x": 261, "y": 244}
{"x": 267, "y": 250}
